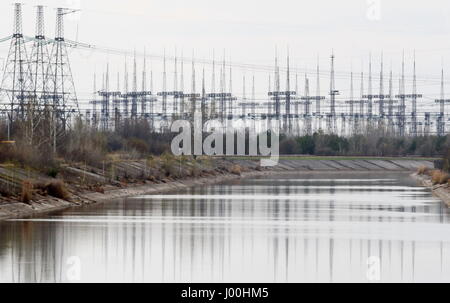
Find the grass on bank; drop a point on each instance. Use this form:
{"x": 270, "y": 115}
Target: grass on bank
{"x": 438, "y": 177}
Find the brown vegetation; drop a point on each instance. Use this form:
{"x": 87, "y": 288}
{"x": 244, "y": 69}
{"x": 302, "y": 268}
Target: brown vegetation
{"x": 169, "y": 165}
{"x": 25, "y": 155}
{"x": 423, "y": 170}
{"x": 439, "y": 178}
{"x": 84, "y": 145}
{"x": 195, "y": 170}
{"x": 236, "y": 170}
{"x": 27, "y": 192}
{"x": 57, "y": 189}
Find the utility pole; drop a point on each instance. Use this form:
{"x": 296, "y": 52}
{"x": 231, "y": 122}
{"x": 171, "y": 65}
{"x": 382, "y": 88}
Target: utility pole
{"x": 164, "y": 94}
{"x": 427, "y": 127}
{"x": 296, "y": 115}
{"x": 318, "y": 98}
{"x": 244, "y": 98}
{"x": 253, "y": 106}
{"x": 104, "y": 93}
{"x": 213, "y": 108}
{"x": 333, "y": 93}
{"x": 414, "y": 98}
{"x": 288, "y": 95}
{"x": 134, "y": 93}
{"x": 181, "y": 96}
{"x": 307, "y": 108}
{"x": 381, "y": 97}
{"x": 116, "y": 105}
{"x": 231, "y": 101}
{"x": 94, "y": 103}
{"x": 175, "y": 86}
{"x": 203, "y": 99}
{"x": 145, "y": 93}
{"x": 277, "y": 96}
{"x": 352, "y": 102}
{"x": 359, "y": 124}
{"x": 223, "y": 105}
{"x": 269, "y": 106}
{"x": 194, "y": 96}
{"x": 369, "y": 98}
{"x": 402, "y": 97}
{"x": 125, "y": 99}
{"x": 391, "y": 101}
{"x": 442, "y": 101}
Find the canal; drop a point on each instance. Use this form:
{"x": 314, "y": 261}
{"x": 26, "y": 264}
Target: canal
{"x": 315, "y": 227}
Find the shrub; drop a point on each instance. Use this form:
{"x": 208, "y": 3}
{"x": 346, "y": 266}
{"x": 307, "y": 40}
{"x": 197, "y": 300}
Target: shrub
{"x": 139, "y": 145}
{"x": 53, "y": 172}
{"x": 26, "y": 155}
{"x": 435, "y": 176}
{"x": 57, "y": 189}
{"x": 168, "y": 165}
{"x": 444, "y": 178}
{"x": 27, "y": 192}
{"x": 84, "y": 145}
{"x": 307, "y": 145}
{"x": 423, "y": 170}
{"x": 114, "y": 143}
{"x": 195, "y": 169}
{"x": 289, "y": 147}
{"x": 236, "y": 170}
{"x": 99, "y": 189}
{"x": 438, "y": 177}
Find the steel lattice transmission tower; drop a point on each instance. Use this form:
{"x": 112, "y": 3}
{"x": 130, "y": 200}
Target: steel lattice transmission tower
{"x": 442, "y": 102}
{"x": 17, "y": 81}
{"x": 391, "y": 101}
{"x": 40, "y": 58}
{"x": 402, "y": 105}
{"x": 354, "y": 118}
{"x": 382, "y": 98}
{"x": 414, "y": 98}
{"x": 331, "y": 123}
{"x": 60, "y": 76}
{"x": 289, "y": 94}
{"x": 318, "y": 98}
{"x": 39, "y": 63}
{"x": 307, "y": 108}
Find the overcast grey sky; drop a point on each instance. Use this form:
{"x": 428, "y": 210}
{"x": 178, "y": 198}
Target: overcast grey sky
{"x": 249, "y": 30}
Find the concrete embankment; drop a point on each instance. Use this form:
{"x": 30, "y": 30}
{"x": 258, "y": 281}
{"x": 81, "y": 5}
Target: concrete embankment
{"x": 20, "y": 210}
{"x": 440, "y": 191}
{"x": 89, "y": 185}
{"x": 342, "y": 164}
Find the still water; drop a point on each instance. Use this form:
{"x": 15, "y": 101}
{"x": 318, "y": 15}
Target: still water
{"x": 317, "y": 227}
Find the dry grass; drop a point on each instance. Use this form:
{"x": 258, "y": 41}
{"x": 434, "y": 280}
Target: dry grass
{"x": 438, "y": 177}
{"x": 99, "y": 189}
{"x": 423, "y": 170}
{"x": 444, "y": 178}
{"x": 195, "y": 170}
{"x": 57, "y": 189}
{"x": 169, "y": 165}
{"x": 27, "y": 192}
{"x": 236, "y": 170}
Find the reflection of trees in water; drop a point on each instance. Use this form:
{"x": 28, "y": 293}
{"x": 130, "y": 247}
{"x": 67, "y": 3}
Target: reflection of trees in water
{"x": 33, "y": 250}
{"x": 226, "y": 239}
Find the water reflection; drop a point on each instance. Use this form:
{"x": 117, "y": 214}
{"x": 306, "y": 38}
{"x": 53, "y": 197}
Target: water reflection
{"x": 318, "y": 228}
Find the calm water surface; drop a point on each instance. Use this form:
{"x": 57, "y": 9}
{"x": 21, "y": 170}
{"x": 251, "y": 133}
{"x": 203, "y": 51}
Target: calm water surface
{"x": 294, "y": 228}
